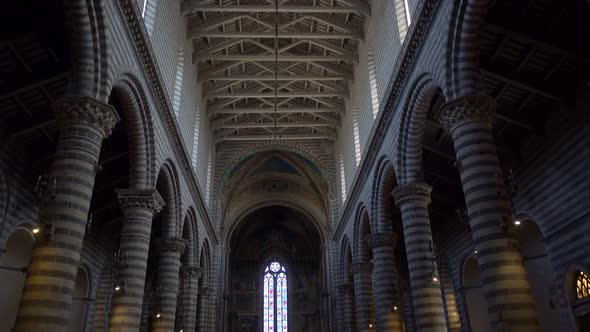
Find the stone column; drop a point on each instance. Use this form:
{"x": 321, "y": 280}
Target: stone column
{"x": 47, "y": 296}
{"x": 203, "y": 309}
{"x": 170, "y": 250}
{"x": 384, "y": 279}
{"x": 406, "y": 306}
{"x": 346, "y": 306}
{"x": 362, "y": 288}
{"x": 187, "y": 317}
{"x": 413, "y": 200}
{"x": 139, "y": 207}
{"x": 510, "y": 303}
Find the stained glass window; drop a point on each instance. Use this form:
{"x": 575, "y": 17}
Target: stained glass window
{"x": 582, "y": 286}
{"x": 275, "y": 313}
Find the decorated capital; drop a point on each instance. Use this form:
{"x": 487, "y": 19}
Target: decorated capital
{"x": 191, "y": 272}
{"x": 414, "y": 192}
{"x": 148, "y": 199}
{"x": 467, "y": 109}
{"x": 344, "y": 288}
{"x": 172, "y": 244}
{"x": 87, "y": 111}
{"x": 384, "y": 239}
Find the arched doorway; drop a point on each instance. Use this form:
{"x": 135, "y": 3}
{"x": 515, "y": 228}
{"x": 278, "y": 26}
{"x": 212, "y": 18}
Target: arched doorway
{"x": 540, "y": 274}
{"x": 270, "y": 244}
{"x": 477, "y": 308}
{"x": 13, "y": 268}
{"x": 80, "y": 299}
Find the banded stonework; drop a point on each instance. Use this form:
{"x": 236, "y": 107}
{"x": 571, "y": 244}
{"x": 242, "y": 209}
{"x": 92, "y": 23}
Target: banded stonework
{"x": 413, "y": 200}
{"x": 47, "y": 295}
{"x": 503, "y": 275}
{"x": 139, "y": 208}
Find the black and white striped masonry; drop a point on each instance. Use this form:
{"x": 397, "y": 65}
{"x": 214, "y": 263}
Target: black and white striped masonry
{"x": 139, "y": 208}
{"x": 346, "y": 321}
{"x": 504, "y": 278}
{"x": 189, "y": 290}
{"x": 47, "y": 295}
{"x": 413, "y": 200}
{"x": 170, "y": 250}
{"x": 384, "y": 281}
{"x": 363, "y": 296}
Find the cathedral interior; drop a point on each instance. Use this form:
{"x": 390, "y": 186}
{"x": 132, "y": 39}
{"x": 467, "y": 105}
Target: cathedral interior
{"x": 295, "y": 165}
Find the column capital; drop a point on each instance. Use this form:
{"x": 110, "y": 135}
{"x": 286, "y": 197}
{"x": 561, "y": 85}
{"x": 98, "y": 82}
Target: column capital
{"x": 192, "y": 272}
{"x": 383, "y": 239}
{"x": 88, "y": 111}
{"x": 361, "y": 267}
{"x": 467, "y": 109}
{"x": 344, "y": 288}
{"x": 413, "y": 192}
{"x": 172, "y": 244}
{"x": 205, "y": 291}
{"x": 148, "y": 199}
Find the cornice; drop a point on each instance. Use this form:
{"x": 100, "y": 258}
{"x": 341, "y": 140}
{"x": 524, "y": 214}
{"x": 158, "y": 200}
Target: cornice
{"x": 410, "y": 51}
{"x": 140, "y": 38}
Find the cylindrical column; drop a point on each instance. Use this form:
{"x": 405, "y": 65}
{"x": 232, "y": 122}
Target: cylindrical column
{"x": 187, "y": 316}
{"x": 203, "y": 308}
{"x": 413, "y": 200}
{"x": 139, "y": 207}
{"x": 362, "y": 289}
{"x": 167, "y": 283}
{"x": 384, "y": 279}
{"x": 345, "y": 291}
{"x": 406, "y": 306}
{"x": 47, "y": 296}
{"x": 504, "y": 278}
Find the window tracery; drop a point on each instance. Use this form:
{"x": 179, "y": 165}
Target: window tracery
{"x": 582, "y": 286}
{"x": 275, "y": 308}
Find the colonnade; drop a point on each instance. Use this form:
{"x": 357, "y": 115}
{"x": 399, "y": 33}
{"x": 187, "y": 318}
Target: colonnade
{"x": 46, "y": 301}
{"x": 509, "y": 299}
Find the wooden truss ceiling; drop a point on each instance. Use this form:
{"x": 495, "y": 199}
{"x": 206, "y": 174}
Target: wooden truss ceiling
{"x": 263, "y": 83}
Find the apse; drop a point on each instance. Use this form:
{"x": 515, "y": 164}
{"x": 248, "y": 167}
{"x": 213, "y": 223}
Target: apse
{"x": 276, "y": 273}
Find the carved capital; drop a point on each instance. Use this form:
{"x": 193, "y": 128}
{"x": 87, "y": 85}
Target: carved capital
{"x": 414, "y": 192}
{"x": 191, "y": 272}
{"x": 467, "y": 109}
{"x": 205, "y": 291}
{"x": 172, "y": 244}
{"x": 361, "y": 267}
{"x": 148, "y": 199}
{"x": 87, "y": 111}
{"x": 344, "y": 288}
{"x": 384, "y": 239}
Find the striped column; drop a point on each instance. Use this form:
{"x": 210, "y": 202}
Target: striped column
{"x": 384, "y": 278}
{"x": 203, "y": 309}
{"x": 407, "y": 307}
{"x": 167, "y": 284}
{"x": 104, "y": 294}
{"x": 47, "y": 296}
{"x": 139, "y": 207}
{"x": 454, "y": 324}
{"x": 362, "y": 288}
{"x": 504, "y": 278}
{"x": 413, "y": 200}
{"x": 189, "y": 290}
{"x": 345, "y": 290}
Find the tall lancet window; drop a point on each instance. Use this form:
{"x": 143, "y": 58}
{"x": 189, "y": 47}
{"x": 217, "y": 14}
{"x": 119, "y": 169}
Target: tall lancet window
{"x": 275, "y": 311}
